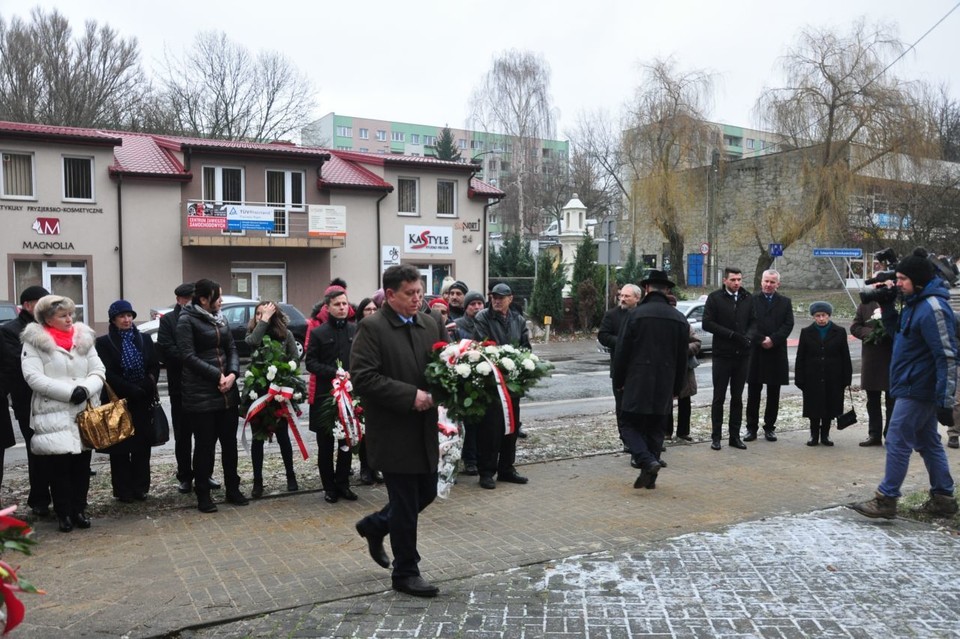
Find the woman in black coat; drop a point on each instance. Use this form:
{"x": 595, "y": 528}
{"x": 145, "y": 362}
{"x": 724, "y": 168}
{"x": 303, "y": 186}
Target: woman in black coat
{"x": 132, "y": 371}
{"x": 823, "y": 371}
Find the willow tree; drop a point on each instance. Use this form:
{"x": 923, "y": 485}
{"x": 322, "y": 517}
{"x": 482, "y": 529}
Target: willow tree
{"x": 667, "y": 135}
{"x": 839, "y": 102}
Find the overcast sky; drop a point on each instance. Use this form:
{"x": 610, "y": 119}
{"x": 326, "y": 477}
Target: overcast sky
{"x": 419, "y": 60}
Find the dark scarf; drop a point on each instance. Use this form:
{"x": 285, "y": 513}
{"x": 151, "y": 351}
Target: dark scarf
{"x": 131, "y": 357}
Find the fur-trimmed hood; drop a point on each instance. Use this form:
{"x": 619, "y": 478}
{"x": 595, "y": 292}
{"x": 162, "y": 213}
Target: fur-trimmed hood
{"x": 35, "y": 335}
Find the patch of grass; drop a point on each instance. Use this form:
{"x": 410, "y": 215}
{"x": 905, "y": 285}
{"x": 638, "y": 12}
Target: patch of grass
{"x": 907, "y": 503}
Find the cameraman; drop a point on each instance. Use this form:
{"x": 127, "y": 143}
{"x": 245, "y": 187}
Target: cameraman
{"x": 923, "y": 380}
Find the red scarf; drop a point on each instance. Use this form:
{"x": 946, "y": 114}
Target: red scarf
{"x": 64, "y": 339}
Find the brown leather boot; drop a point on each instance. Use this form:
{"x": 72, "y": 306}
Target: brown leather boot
{"x": 938, "y": 506}
{"x": 880, "y": 506}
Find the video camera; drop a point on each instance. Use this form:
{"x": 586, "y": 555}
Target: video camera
{"x": 888, "y": 258}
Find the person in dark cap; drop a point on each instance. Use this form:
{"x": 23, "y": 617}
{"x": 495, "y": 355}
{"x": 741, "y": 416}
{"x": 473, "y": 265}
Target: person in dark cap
{"x": 13, "y": 384}
{"x": 496, "y": 451}
{"x": 727, "y": 314}
{"x": 169, "y": 354}
{"x": 654, "y": 331}
{"x": 923, "y": 381}
{"x": 455, "y": 298}
{"x": 132, "y": 371}
{"x": 823, "y": 371}
{"x": 473, "y": 304}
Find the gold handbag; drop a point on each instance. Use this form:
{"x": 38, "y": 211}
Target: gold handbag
{"x": 105, "y": 425}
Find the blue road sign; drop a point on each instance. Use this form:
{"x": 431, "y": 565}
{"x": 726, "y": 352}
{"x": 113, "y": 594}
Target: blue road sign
{"x": 776, "y": 250}
{"x": 838, "y": 252}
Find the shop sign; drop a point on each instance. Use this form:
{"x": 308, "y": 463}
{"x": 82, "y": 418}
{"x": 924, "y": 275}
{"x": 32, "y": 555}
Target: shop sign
{"x": 326, "y": 221}
{"x": 250, "y": 218}
{"x": 206, "y": 216}
{"x": 46, "y": 226}
{"x": 423, "y": 240}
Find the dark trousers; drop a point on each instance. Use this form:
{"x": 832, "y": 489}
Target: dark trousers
{"x": 617, "y": 402}
{"x": 183, "y": 439}
{"x": 69, "y": 481}
{"x": 497, "y": 451}
{"x": 332, "y": 477}
{"x": 770, "y": 411}
{"x": 409, "y": 494}
{"x": 282, "y": 436}
{"x": 732, "y": 372}
{"x": 644, "y": 436}
{"x": 469, "y": 452}
{"x": 878, "y": 426}
{"x": 130, "y": 473}
{"x": 39, "y": 496}
{"x": 208, "y": 428}
{"x": 362, "y": 454}
{"x": 820, "y": 428}
{"x": 684, "y": 411}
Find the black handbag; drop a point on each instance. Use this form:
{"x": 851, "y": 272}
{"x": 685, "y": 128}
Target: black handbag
{"x": 159, "y": 426}
{"x": 849, "y": 418}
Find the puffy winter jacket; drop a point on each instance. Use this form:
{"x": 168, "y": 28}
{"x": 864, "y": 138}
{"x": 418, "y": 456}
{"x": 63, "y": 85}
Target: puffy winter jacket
{"x": 508, "y": 329}
{"x": 924, "y": 362}
{"x": 53, "y": 373}
{"x": 207, "y": 351}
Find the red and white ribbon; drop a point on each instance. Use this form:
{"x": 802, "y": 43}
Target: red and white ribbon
{"x": 282, "y": 395}
{"x": 352, "y": 428}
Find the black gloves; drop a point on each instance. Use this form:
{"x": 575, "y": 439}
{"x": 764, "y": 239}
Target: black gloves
{"x": 742, "y": 340}
{"x": 79, "y": 395}
{"x": 945, "y": 416}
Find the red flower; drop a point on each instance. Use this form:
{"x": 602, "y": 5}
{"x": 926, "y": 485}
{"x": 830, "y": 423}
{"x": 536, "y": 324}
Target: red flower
{"x": 488, "y": 342}
{"x": 439, "y": 346}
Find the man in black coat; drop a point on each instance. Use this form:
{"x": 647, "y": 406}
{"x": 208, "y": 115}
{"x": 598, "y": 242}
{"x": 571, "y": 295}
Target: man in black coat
{"x": 772, "y": 322}
{"x": 727, "y": 316}
{"x": 613, "y": 319}
{"x": 21, "y": 395}
{"x": 649, "y": 368}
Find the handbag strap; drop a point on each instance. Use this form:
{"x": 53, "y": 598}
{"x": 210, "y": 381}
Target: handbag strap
{"x": 110, "y": 394}
{"x": 850, "y": 392}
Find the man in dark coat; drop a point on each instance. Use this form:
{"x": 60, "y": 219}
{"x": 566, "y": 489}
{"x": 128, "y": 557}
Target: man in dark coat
{"x": 727, "y": 315}
{"x": 388, "y": 367}
{"x": 21, "y": 395}
{"x": 875, "y": 355}
{"x": 650, "y": 367}
{"x": 772, "y": 322}
{"x": 613, "y": 319}
{"x": 170, "y": 356}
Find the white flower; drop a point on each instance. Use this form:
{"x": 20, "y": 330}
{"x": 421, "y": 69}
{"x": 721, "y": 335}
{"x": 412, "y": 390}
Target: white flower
{"x": 877, "y": 315}
{"x": 271, "y": 373}
{"x": 474, "y": 356}
{"x": 450, "y": 352}
{"x": 491, "y": 350}
{"x": 507, "y": 348}
{"x": 534, "y": 357}
{"x": 298, "y": 396}
{"x": 252, "y": 395}
{"x": 508, "y": 364}
{"x": 529, "y": 364}
{"x": 484, "y": 368}
{"x": 463, "y": 370}
{"x": 294, "y": 365}
{"x": 248, "y": 374}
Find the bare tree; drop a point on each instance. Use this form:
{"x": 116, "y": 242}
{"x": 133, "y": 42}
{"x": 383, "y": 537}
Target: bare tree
{"x": 514, "y": 99}
{"x": 48, "y": 76}
{"x": 667, "y": 134}
{"x": 219, "y": 89}
{"x": 840, "y": 99}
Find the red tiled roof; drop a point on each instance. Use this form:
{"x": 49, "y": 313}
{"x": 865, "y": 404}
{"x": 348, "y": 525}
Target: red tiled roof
{"x": 380, "y": 159}
{"x": 62, "y": 133}
{"x": 141, "y": 156}
{"x": 479, "y": 188}
{"x": 236, "y": 146}
{"x": 337, "y": 172}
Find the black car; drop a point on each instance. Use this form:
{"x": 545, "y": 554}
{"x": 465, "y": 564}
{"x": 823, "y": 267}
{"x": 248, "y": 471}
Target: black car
{"x": 238, "y": 316}
{"x": 8, "y": 311}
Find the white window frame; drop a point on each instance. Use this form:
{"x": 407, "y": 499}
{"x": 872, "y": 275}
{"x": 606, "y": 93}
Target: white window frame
{"x": 416, "y": 207}
{"x": 93, "y": 178}
{"x": 218, "y": 188}
{"x": 284, "y": 208}
{"x": 381, "y": 135}
{"x": 415, "y": 138}
{"x": 33, "y": 177}
{"x": 455, "y": 207}
{"x": 255, "y": 271}
{"x": 345, "y": 131}
{"x": 364, "y": 134}
{"x": 397, "y": 136}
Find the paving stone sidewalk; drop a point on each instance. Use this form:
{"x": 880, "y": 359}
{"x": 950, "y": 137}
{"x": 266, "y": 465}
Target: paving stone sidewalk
{"x": 154, "y": 576}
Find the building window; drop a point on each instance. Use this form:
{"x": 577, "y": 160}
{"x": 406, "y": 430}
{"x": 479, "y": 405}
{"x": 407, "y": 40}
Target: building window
{"x": 749, "y": 143}
{"x": 16, "y": 179}
{"x": 430, "y": 140}
{"x": 414, "y": 138}
{"x": 397, "y": 136}
{"x": 343, "y": 148}
{"x": 222, "y": 185}
{"x": 364, "y": 134}
{"x": 462, "y": 143}
{"x": 78, "y": 179}
{"x": 476, "y": 145}
{"x": 285, "y": 191}
{"x": 381, "y": 135}
{"x": 364, "y": 149}
{"x": 408, "y": 196}
{"x": 447, "y": 197}
{"x": 492, "y": 165}
{"x": 345, "y": 131}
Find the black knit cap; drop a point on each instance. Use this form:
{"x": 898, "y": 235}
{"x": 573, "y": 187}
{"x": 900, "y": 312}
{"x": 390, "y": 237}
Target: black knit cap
{"x": 32, "y": 294}
{"x": 917, "y": 267}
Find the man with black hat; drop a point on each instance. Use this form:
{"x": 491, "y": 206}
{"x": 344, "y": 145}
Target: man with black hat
{"x": 923, "y": 380}
{"x": 170, "y": 356}
{"x": 727, "y": 315}
{"x": 650, "y": 368}
{"x": 21, "y": 395}
{"x": 455, "y": 298}
{"x": 496, "y": 451}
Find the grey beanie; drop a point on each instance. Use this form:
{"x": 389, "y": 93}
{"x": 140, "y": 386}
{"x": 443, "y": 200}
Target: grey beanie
{"x": 821, "y": 307}
{"x": 472, "y": 296}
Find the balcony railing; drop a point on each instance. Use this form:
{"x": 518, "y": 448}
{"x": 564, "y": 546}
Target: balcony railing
{"x": 206, "y": 223}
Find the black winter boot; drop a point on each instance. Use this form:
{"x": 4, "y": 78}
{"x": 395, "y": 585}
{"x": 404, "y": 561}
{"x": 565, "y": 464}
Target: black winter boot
{"x": 825, "y": 434}
{"x": 814, "y": 433}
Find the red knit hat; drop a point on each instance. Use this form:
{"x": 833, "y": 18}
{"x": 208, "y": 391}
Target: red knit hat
{"x": 439, "y": 302}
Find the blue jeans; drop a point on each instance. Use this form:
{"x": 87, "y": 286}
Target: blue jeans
{"x": 913, "y": 427}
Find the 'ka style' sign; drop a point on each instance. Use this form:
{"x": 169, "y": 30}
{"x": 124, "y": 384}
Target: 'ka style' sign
{"x": 437, "y": 240}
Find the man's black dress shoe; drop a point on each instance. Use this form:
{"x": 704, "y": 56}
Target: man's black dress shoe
{"x": 826, "y": 441}
{"x": 488, "y": 483}
{"x": 648, "y": 476}
{"x": 346, "y": 493}
{"x": 751, "y": 435}
{"x": 64, "y": 523}
{"x": 871, "y": 441}
{"x": 205, "y": 504}
{"x": 416, "y": 586}
{"x": 736, "y": 443}
{"x": 470, "y": 468}
{"x": 634, "y": 462}
{"x": 330, "y": 496}
{"x": 237, "y": 498}
{"x": 686, "y": 438}
{"x": 214, "y": 484}
{"x": 715, "y": 445}
{"x": 769, "y": 436}
{"x": 512, "y": 478}
{"x": 662, "y": 463}
{"x": 520, "y": 435}
{"x": 184, "y": 487}
{"x": 80, "y": 520}
{"x": 40, "y": 511}
{"x": 374, "y": 545}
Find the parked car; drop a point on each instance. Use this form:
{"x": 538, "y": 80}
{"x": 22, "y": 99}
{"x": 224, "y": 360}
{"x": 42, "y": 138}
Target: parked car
{"x": 8, "y": 311}
{"x": 693, "y": 311}
{"x": 238, "y": 311}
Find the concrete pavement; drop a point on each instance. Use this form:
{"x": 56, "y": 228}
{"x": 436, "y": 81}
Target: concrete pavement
{"x": 729, "y": 544}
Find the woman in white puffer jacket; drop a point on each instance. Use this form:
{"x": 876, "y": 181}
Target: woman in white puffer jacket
{"x": 62, "y": 367}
